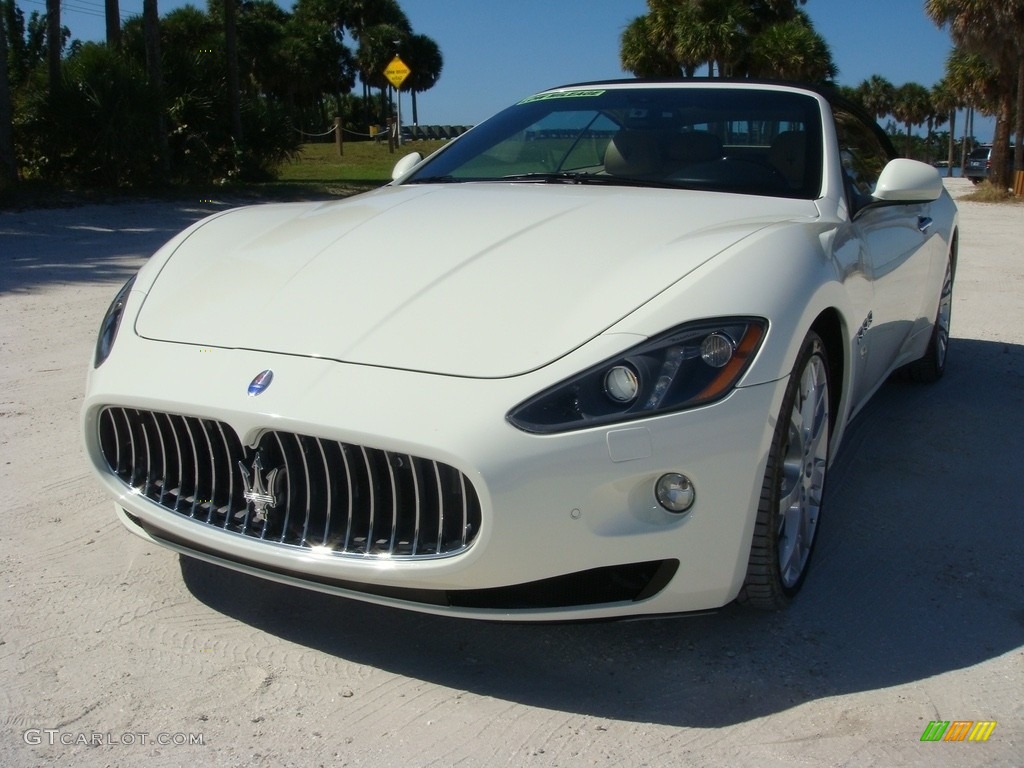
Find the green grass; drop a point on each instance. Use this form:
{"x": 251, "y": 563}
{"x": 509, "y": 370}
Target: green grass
{"x": 364, "y": 164}
{"x": 316, "y": 173}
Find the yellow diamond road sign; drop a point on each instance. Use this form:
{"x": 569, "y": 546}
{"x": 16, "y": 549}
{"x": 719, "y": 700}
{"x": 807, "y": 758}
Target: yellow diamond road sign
{"x": 396, "y": 72}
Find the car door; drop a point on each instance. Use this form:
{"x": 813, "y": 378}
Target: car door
{"x": 894, "y": 243}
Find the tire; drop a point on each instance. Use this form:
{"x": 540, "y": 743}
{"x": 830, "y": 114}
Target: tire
{"x": 793, "y": 489}
{"x": 930, "y": 367}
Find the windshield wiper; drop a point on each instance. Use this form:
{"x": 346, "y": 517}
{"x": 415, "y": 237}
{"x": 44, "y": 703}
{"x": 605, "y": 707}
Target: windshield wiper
{"x": 576, "y": 177}
{"x": 449, "y": 179}
{"x": 560, "y": 177}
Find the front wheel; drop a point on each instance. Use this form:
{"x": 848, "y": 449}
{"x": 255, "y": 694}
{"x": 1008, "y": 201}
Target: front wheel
{"x": 794, "y": 485}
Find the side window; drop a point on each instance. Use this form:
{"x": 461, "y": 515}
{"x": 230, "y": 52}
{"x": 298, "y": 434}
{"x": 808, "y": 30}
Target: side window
{"x": 863, "y": 157}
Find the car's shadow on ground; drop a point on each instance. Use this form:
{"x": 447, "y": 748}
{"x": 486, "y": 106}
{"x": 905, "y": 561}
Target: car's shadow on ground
{"x": 917, "y": 573}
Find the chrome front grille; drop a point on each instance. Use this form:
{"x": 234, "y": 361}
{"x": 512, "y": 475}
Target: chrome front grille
{"x": 296, "y": 490}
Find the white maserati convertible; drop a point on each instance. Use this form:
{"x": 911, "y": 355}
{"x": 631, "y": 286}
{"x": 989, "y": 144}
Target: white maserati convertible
{"x": 591, "y": 359}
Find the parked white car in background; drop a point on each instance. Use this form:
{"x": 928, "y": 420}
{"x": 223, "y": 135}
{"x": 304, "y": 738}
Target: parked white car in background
{"x": 591, "y": 359}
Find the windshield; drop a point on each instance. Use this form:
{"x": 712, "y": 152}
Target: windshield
{"x": 750, "y": 141}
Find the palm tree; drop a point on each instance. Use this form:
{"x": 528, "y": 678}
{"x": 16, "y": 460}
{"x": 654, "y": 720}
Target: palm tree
{"x": 423, "y": 57}
{"x": 792, "y": 50}
{"x": 677, "y": 36}
{"x": 768, "y": 12}
{"x": 973, "y": 79}
{"x": 54, "y": 44}
{"x": 935, "y": 118}
{"x": 974, "y": 82}
{"x": 317, "y": 60}
{"x": 154, "y": 72}
{"x": 377, "y": 46}
{"x": 112, "y": 18}
{"x": 911, "y": 107}
{"x": 261, "y": 37}
{"x": 647, "y": 49}
{"x": 994, "y": 30}
{"x": 27, "y": 42}
{"x": 946, "y": 101}
{"x": 877, "y": 95}
{"x": 374, "y": 25}
{"x": 8, "y": 164}
{"x": 359, "y": 15}
{"x": 231, "y": 56}
{"x": 715, "y": 32}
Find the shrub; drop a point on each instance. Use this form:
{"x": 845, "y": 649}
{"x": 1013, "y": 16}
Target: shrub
{"x": 96, "y": 129}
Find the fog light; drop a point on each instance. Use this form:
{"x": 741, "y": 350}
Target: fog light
{"x": 675, "y": 492}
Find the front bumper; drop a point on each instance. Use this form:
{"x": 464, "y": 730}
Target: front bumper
{"x": 575, "y": 512}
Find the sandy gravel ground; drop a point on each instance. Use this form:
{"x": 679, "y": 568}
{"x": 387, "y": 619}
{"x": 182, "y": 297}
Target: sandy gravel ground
{"x": 114, "y": 652}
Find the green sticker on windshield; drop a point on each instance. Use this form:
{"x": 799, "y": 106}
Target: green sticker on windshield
{"x": 562, "y": 95}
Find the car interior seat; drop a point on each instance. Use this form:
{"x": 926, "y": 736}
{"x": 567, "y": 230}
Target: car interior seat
{"x": 788, "y": 155}
{"x": 632, "y": 153}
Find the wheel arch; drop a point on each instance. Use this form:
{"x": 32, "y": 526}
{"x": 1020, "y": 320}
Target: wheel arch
{"x": 954, "y": 250}
{"x": 830, "y": 327}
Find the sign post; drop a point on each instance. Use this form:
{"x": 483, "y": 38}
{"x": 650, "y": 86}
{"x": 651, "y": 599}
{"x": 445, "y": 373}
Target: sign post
{"x": 396, "y": 72}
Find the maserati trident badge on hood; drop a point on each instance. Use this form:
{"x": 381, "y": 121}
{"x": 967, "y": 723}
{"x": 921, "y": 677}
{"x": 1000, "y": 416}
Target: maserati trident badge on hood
{"x": 259, "y": 385}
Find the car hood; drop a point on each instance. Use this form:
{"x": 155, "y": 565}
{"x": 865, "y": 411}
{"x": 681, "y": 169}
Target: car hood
{"x": 479, "y": 280}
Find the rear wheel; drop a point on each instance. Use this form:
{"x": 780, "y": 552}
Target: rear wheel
{"x": 794, "y": 485}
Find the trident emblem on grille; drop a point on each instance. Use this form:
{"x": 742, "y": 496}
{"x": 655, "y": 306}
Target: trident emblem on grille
{"x": 261, "y": 495}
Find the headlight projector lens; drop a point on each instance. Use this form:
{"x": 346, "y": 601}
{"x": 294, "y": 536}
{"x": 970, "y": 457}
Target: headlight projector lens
{"x": 717, "y": 350}
{"x": 621, "y": 384}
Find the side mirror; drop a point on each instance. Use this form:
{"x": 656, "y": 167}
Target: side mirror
{"x": 908, "y": 181}
{"x": 405, "y": 165}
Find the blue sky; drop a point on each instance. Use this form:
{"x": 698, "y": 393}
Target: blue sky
{"x": 497, "y": 51}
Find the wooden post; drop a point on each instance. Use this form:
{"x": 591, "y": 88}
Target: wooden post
{"x": 339, "y": 141}
{"x": 1018, "y": 183}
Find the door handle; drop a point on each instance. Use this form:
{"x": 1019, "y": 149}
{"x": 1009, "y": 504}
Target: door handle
{"x": 923, "y": 223}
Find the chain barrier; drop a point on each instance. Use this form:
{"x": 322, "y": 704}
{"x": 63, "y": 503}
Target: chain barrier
{"x": 328, "y": 132}
{"x": 382, "y": 132}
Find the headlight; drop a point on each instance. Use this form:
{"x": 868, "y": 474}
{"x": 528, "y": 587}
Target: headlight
{"x": 110, "y": 324}
{"x": 692, "y": 365}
